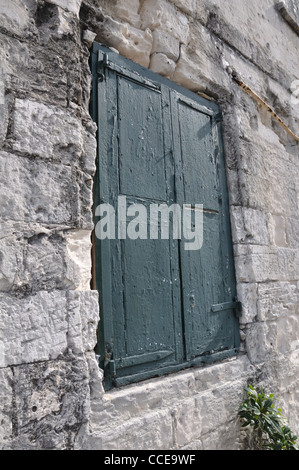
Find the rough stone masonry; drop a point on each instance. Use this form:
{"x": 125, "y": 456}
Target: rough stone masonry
{"x": 51, "y": 392}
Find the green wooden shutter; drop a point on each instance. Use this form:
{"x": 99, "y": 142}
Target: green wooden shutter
{"x": 162, "y": 308}
{"x": 207, "y": 274}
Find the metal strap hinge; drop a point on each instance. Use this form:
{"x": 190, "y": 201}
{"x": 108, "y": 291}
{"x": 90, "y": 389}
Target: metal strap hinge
{"x": 237, "y": 306}
{"x": 112, "y": 368}
{"x": 103, "y": 61}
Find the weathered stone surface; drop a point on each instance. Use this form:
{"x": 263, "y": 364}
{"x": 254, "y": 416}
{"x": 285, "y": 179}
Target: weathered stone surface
{"x": 29, "y": 71}
{"x": 249, "y": 226}
{"x": 15, "y": 16}
{"x": 51, "y": 404}
{"x": 161, "y": 64}
{"x": 277, "y": 299}
{"x": 248, "y": 295}
{"x": 152, "y": 431}
{"x": 227, "y": 436}
{"x": 187, "y": 6}
{"x": 34, "y": 258}
{"x": 33, "y": 130}
{"x": 78, "y": 245}
{"x": 65, "y": 200}
{"x": 133, "y": 43}
{"x": 159, "y": 14}
{"x": 127, "y": 10}
{"x": 255, "y": 263}
{"x": 277, "y": 227}
{"x": 165, "y": 43}
{"x": 69, "y": 5}
{"x": 3, "y": 98}
{"x": 43, "y": 326}
{"x": 292, "y": 232}
{"x": 260, "y": 342}
{"x": 172, "y": 411}
{"x": 234, "y": 25}
{"x": 197, "y": 67}
{"x": 290, "y": 11}
{"x": 6, "y": 405}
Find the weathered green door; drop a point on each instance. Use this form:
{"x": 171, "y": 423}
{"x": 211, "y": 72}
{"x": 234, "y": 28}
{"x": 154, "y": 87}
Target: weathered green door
{"x": 162, "y": 307}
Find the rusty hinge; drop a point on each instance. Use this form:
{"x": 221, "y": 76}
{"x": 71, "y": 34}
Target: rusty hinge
{"x": 237, "y": 306}
{"x": 103, "y": 63}
{"x": 112, "y": 369}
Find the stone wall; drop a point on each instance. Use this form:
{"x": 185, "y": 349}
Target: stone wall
{"x": 50, "y": 384}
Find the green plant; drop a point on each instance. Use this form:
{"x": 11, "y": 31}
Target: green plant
{"x": 259, "y": 412}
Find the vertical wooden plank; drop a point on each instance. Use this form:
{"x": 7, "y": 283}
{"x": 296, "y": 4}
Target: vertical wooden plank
{"x": 206, "y": 274}
{"x": 102, "y": 247}
{"x": 141, "y": 158}
{"x": 229, "y": 319}
{"x": 140, "y": 168}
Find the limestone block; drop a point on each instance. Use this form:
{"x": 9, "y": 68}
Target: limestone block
{"x": 89, "y": 153}
{"x": 277, "y": 227}
{"x": 88, "y": 37}
{"x": 288, "y": 263}
{"x": 234, "y": 193}
{"x": 14, "y": 16}
{"x": 158, "y": 14}
{"x": 131, "y": 42}
{"x": 64, "y": 24}
{"x": 226, "y": 436}
{"x": 255, "y": 191}
{"x": 46, "y": 193}
{"x": 3, "y": 98}
{"x": 83, "y": 308}
{"x": 187, "y": 6}
{"x": 6, "y": 408}
{"x": 47, "y": 131}
{"x": 70, "y": 5}
{"x": 34, "y": 258}
{"x": 173, "y": 392}
{"x": 199, "y": 66}
{"x": 78, "y": 261}
{"x": 29, "y": 68}
{"x": 188, "y": 422}
{"x": 261, "y": 341}
{"x": 220, "y": 405}
{"x": 292, "y": 228}
{"x": 249, "y": 226}
{"x": 209, "y": 378}
{"x": 150, "y": 431}
{"x": 263, "y": 47}
{"x": 256, "y": 263}
{"x": 166, "y": 43}
{"x": 10, "y": 260}
{"x": 45, "y": 325}
{"x": 127, "y": 10}
{"x": 276, "y": 299}
{"x": 161, "y": 64}
{"x": 187, "y": 72}
{"x": 43, "y": 266}
{"x": 287, "y": 335}
{"x": 51, "y": 404}
{"x": 248, "y": 295}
